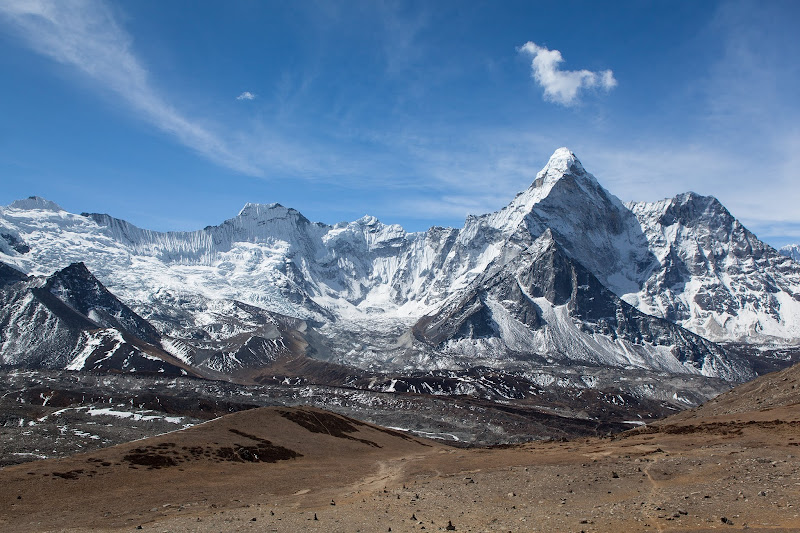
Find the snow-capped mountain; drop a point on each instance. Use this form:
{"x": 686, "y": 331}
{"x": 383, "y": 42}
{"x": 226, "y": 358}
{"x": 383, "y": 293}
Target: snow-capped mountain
{"x": 792, "y": 251}
{"x": 543, "y": 305}
{"x": 365, "y": 284}
{"x": 715, "y": 277}
{"x": 69, "y": 320}
{"x": 274, "y": 257}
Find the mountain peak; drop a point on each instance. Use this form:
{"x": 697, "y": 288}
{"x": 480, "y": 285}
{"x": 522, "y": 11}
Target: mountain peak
{"x": 254, "y": 209}
{"x": 692, "y": 206}
{"x": 35, "y": 202}
{"x": 562, "y": 161}
{"x": 562, "y": 186}
{"x": 563, "y": 155}
{"x": 76, "y": 269}
{"x": 367, "y": 220}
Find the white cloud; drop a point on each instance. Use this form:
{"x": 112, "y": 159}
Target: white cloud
{"x": 247, "y": 95}
{"x": 562, "y": 86}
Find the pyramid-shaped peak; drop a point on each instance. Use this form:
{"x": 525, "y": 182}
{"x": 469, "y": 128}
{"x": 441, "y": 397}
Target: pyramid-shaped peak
{"x": 564, "y": 156}
{"x": 563, "y": 161}
{"x": 75, "y": 269}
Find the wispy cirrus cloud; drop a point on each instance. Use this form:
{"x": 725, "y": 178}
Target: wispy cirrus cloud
{"x": 84, "y": 34}
{"x": 758, "y": 188}
{"x": 744, "y": 145}
{"x": 563, "y": 86}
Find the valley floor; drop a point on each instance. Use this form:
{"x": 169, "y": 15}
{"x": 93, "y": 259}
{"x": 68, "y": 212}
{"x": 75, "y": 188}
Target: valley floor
{"x": 695, "y": 473}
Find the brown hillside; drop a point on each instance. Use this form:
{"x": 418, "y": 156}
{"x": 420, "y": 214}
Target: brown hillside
{"x": 730, "y": 465}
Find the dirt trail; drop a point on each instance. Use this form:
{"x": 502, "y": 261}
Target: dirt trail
{"x": 650, "y": 502}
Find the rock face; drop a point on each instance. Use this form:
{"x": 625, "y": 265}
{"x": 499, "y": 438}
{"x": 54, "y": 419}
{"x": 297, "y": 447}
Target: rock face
{"x": 77, "y": 288}
{"x": 715, "y": 277}
{"x": 10, "y": 275}
{"x": 69, "y": 320}
{"x": 543, "y": 305}
{"x": 211, "y": 292}
{"x": 230, "y": 338}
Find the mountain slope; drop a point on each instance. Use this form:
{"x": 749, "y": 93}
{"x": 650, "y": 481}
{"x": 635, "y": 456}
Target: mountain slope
{"x": 544, "y": 305}
{"x": 766, "y": 394}
{"x": 69, "y": 320}
{"x": 715, "y": 277}
{"x": 303, "y": 469}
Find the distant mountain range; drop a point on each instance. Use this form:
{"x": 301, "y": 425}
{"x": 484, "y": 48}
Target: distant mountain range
{"x": 791, "y": 250}
{"x": 565, "y": 276}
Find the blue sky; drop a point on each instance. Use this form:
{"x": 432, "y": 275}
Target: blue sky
{"x": 172, "y": 115}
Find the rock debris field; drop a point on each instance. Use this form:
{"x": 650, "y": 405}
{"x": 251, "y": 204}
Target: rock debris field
{"x": 721, "y": 467}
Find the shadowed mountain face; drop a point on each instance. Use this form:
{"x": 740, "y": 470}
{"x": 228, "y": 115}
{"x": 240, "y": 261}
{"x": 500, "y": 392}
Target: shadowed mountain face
{"x": 545, "y": 305}
{"x": 76, "y": 287}
{"x": 69, "y": 320}
{"x": 10, "y": 275}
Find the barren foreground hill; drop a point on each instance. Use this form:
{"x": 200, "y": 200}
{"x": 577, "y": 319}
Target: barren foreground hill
{"x": 729, "y": 465}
